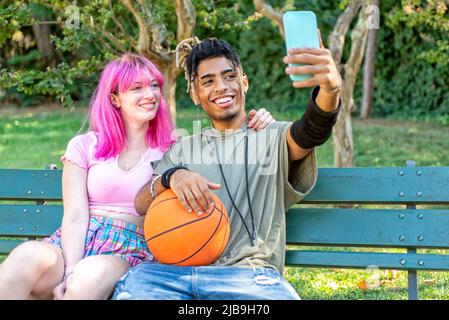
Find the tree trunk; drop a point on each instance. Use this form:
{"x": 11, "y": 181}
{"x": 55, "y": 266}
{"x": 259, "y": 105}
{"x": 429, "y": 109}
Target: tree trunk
{"x": 369, "y": 69}
{"x": 42, "y": 35}
{"x": 342, "y": 133}
{"x": 171, "y": 73}
{"x": 274, "y": 15}
{"x": 338, "y": 34}
{"x": 343, "y": 143}
{"x": 152, "y": 41}
{"x": 170, "y": 95}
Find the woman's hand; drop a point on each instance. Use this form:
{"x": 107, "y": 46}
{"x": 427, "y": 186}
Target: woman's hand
{"x": 59, "y": 290}
{"x": 260, "y": 119}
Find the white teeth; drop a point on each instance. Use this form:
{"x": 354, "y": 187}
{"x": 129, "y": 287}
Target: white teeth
{"x": 147, "y": 106}
{"x": 223, "y": 100}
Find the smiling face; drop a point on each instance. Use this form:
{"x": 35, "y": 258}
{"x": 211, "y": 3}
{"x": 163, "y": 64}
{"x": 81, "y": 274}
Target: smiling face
{"x": 219, "y": 87}
{"x": 140, "y": 102}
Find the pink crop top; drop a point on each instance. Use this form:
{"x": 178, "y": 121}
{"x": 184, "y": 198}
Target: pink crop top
{"x": 109, "y": 187}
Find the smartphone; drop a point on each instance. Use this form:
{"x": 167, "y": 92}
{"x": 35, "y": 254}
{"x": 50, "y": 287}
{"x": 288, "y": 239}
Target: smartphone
{"x": 301, "y": 31}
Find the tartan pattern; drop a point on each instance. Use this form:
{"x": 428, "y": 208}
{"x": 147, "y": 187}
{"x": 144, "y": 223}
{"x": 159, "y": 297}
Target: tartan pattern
{"x": 111, "y": 237}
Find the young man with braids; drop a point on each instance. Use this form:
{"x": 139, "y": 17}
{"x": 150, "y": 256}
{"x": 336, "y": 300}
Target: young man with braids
{"x": 257, "y": 175}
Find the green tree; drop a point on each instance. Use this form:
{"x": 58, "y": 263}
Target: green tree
{"x": 430, "y": 20}
{"x": 95, "y": 31}
{"x": 412, "y": 74}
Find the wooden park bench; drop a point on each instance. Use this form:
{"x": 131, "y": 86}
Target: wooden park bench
{"x": 31, "y": 208}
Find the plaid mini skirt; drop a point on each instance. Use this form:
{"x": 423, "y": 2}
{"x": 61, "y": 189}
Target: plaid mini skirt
{"x": 111, "y": 237}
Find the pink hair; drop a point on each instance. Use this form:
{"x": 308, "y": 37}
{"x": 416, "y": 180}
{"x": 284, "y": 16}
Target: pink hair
{"x": 106, "y": 120}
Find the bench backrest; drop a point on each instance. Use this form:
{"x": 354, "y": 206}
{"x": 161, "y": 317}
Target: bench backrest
{"x": 401, "y": 226}
{"x": 382, "y": 213}
{"x": 31, "y": 205}
{"x": 386, "y": 217}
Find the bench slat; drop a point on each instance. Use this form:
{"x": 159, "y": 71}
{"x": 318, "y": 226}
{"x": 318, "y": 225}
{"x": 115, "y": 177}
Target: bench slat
{"x": 342, "y": 185}
{"x": 30, "y": 184}
{"x": 361, "y": 260}
{"x": 368, "y": 227}
{"x": 381, "y": 185}
{"x": 6, "y": 246}
{"x": 29, "y": 220}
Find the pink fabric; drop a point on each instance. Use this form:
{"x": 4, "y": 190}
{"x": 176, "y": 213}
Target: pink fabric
{"x": 109, "y": 236}
{"x": 109, "y": 187}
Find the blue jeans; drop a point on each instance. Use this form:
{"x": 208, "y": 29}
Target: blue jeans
{"x": 154, "y": 281}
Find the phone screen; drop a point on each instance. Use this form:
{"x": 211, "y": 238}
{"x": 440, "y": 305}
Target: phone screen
{"x": 301, "y": 31}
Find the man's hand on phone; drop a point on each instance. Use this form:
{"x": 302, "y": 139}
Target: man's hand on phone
{"x": 317, "y": 62}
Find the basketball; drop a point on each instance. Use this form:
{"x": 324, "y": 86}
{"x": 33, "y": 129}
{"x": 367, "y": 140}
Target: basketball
{"x": 175, "y": 236}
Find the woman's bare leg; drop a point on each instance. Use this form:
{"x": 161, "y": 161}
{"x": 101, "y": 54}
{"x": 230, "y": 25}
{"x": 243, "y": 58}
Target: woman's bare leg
{"x": 94, "y": 277}
{"x": 31, "y": 271}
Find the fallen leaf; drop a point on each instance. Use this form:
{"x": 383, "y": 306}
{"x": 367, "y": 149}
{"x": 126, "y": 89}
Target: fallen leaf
{"x": 429, "y": 281}
{"x": 387, "y": 282}
{"x": 391, "y": 274}
{"x": 362, "y": 285}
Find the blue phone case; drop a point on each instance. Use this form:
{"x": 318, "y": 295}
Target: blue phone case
{"x": 300, "y": 28}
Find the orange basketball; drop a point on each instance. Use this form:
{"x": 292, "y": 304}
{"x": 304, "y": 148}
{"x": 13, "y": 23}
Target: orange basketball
{"x": 175, "y": 236}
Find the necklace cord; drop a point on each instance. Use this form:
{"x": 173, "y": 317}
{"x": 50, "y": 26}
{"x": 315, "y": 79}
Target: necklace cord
{"x": 252, "y": 235}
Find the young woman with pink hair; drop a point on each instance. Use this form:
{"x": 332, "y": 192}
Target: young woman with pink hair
{"x": 101, "y": 235}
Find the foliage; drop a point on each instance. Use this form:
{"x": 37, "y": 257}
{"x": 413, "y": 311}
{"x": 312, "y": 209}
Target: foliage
{"x": 220, "y": 17}
{"x": 412, "y": 76}
{"x": 13, "y": 14}
{"x": 93, "y": 32}
{"x": 58, "y": 82}
{"x": 429, "y": 19}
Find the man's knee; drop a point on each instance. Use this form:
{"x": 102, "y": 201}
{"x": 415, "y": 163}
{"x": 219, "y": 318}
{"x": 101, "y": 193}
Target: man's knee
{"x": 124, "y": 287}
{"x": 275, "y": 286}
{"x": 235, "y": 283}
{"x": 148, "y": 281}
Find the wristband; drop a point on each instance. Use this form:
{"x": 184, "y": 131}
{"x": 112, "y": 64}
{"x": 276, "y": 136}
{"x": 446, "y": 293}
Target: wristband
{"x": 165, "y": 179}
{"x": 315, "y": 126}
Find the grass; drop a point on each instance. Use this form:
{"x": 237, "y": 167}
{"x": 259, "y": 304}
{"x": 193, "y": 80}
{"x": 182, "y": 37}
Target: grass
{"x": 32, "y": 139}
{"x": 348, "y": 284}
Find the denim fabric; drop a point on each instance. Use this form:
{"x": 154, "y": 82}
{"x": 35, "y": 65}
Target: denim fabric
{"x": 154, "y": 281}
